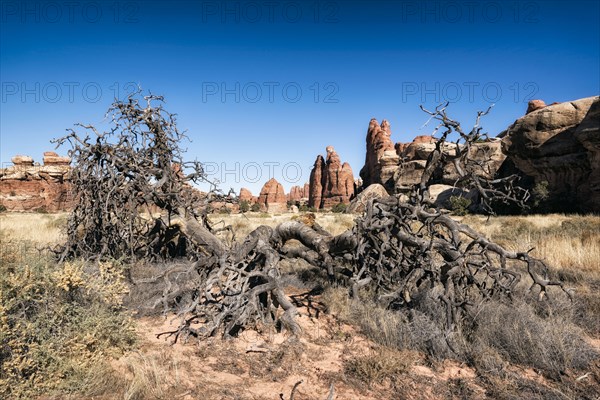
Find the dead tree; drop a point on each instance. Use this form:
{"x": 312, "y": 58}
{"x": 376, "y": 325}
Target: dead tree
{"x": 136, "y": 202}
{"x": 133, "y": 187}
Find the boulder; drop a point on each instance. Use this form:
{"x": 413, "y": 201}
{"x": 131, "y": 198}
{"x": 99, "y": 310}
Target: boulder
{"x": 535, "y": 105}
{"x": 439, "y": 194}
{"x": 20, "y": 160}
{"x": 558, "y": 144}
{"x": 51, "y": 158}
{"x": 374, "y": 191}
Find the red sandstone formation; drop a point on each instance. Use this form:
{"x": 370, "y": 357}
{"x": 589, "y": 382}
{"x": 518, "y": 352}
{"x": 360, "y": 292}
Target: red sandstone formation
{"x": 316, "y": 183}
{"x": 272, "y": 196}
{"x": 331, "y": 182}
{"x": 246, "y": 195}
{"x": 29, "y": 187}
{"x": 297, "y": 193}
{"x": 378, "y": 142}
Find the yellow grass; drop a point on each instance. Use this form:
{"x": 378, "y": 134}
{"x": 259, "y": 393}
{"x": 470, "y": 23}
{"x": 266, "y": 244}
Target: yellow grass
{"x": 42, "y": 229}
{"x": 562, "y": 241}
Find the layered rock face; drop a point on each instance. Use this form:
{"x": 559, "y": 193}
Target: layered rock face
{"x": 560, "y": 144}
{"x": 29, "y": 187}
{"x": 331, "y": 182}
{"x": 272, "y": 196}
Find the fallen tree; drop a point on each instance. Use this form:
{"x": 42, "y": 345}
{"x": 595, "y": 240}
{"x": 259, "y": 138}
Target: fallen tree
{"x": 136, "y": 203}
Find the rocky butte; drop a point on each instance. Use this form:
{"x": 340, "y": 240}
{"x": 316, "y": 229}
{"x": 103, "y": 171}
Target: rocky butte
{"x": 331, "y": 182}
{"x": 28, "y": 186}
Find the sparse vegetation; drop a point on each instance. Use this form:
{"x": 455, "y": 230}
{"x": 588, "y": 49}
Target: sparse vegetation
{"x": 459, "y": 205}
{"x": 244, "y": 206}
{"x": 339, "y": 208}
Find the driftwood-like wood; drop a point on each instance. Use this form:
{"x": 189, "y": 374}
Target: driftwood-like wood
{"x": 136, "y": 202}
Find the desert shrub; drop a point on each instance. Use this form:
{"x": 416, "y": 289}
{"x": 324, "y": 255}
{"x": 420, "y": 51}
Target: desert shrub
{"x": 2, "y": 208}
{"x": 303, "y": 208}
{"x": 255, "y": 207}
{"x": 459, "y": 205}
{"x": 312, "y": 209}
{"x": 59, "y": 325}
{"x": 540, "y": 193}
{"x": 244, "y": 206}
{"x": 339, "y": 208}
{"x": 379, "y": 365}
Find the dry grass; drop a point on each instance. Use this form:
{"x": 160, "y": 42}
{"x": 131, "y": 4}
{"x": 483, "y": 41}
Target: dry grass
{"x": 42, "y": 229}
{"x": 548, "y": 337}
{"x": 571, "y": 242}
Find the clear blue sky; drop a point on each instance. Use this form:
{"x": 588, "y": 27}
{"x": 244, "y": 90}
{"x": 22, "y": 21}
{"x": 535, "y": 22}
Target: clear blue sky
{"x": 269, "y": 85}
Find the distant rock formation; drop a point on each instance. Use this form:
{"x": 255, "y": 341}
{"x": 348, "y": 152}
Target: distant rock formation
{"x": 331, "y": 182}
{"x": 246, "y": 195}
{"x": 378, "y": 143}
{"x": 272, "y": 196}
{"x": 316, "y": 183}
{"x": 299, "y": 193}
{"x": 29, "y": 187}
{"x": 560, "y": 144}
{"x": 399, "y": 167}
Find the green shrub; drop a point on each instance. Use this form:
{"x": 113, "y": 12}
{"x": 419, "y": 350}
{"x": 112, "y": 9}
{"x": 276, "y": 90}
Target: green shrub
{"x": 339, "y": 208}
{"x": 255, "y": 207}
{"x": 540, "y": 193}
{"x": 244, "y": 206}
{"x": 2, "y": 208}
{"x": 459, "y": 205}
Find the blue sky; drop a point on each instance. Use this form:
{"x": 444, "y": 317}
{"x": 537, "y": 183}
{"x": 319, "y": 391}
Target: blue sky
{"x": 264, "y": 86}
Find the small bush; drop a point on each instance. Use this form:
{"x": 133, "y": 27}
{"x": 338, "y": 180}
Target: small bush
{"x": 459, "y": 205}
{"x": 540, "y": 193}
{"x": 339, "y": 208}
{"x": 2, "y": 208}
{"x": 385, "y": 363}
{"x": 255, "y": 207}
{"x": 244, "y": 206}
